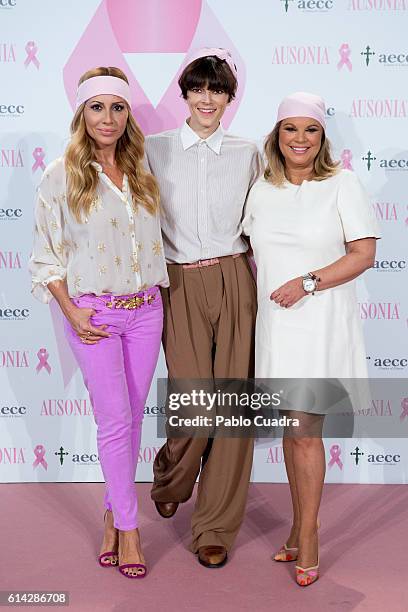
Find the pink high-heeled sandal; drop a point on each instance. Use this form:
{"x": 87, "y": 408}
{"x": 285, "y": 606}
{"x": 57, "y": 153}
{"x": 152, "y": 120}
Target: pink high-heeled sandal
{"x": 130, "y": 565}
{"x": 286, "y": 554}
{"x": 108, "y": 554}
{"x": 307, "y": 576}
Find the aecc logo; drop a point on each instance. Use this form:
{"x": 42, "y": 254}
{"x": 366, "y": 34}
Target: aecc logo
{"x": 309, "y": 5}
{"x": 11, "y": 110}
{"x": 387, "y": 363}
{"x": 78, "y": 458}
{"x": 377, "y": 459}
{"x": 16, "y": 314}
{"x": 10, "y": 214}
{"x": 385, "y": 59}
{"x": 13, "y": 411}
{"x": 386, "y": 265}
{"x": 7, "y": 4}
{"x": 388, "y": 164}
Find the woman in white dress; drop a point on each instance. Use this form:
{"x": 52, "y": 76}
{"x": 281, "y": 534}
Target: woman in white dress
{"x": 312, "y": 233}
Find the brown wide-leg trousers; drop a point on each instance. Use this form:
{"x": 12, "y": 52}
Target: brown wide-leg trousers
{"x": 209, "y": 319}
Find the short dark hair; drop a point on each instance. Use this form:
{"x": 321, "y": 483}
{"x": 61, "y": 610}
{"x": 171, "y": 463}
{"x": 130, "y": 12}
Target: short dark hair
{"x": 210, "y": 72}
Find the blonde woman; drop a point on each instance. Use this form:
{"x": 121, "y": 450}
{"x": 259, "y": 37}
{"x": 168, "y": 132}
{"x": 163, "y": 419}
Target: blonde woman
{"x": 98, "y": 251}
{"x": 312, "y": 233}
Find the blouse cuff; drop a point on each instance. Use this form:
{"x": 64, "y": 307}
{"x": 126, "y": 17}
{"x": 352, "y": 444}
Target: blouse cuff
{"x": 52, "y": 278}
{"x": 40, "y": 289}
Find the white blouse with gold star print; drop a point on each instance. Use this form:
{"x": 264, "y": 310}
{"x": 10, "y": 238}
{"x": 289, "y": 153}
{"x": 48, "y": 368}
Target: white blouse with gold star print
{"x": 117, "y": 249}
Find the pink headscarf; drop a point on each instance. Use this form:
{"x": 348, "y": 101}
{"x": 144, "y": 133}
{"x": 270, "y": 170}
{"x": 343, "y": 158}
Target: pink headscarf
{"x": 222, "y": 54}
{"x": 302, "y": 104}
{"x": 102, "y": 85}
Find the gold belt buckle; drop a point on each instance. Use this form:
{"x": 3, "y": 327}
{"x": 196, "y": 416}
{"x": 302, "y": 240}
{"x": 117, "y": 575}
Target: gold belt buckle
{"x": 131, "y": 303}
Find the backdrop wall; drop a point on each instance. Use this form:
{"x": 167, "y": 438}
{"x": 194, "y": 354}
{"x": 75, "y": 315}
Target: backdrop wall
{"x": 352, "y": 52}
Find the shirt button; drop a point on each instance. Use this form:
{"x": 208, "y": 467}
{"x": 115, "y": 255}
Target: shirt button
{"x": 132, "y": 235}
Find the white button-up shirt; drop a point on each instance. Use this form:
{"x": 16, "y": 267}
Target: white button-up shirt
{"x": 204, "y": 185}
{"x": 118, "y": 248}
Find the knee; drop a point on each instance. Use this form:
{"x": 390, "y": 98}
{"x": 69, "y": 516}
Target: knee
{"x": 115, "y": 428}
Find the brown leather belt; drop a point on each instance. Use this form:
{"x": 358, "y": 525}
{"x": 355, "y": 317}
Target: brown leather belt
{"x": 204, "y": 263}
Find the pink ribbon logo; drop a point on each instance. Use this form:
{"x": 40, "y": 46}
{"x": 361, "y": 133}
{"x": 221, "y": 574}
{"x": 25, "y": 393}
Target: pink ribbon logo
{"x": 345, "y": 53}
{"x": 31, "y": 50}
{"x": 43, "y": 360}
{"x": 155, "y": 26}
{"x": 135, "y": 27}
{"x": 335, "y": 452}
{"x": 346, "y": 157}
{"x": 404, "y": 406}
{"x": 39, "y": 453}
{"x": 38, "y": 155}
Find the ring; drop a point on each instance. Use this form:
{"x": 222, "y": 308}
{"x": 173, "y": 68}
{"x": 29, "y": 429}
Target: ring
{"x": 88, "y": 333}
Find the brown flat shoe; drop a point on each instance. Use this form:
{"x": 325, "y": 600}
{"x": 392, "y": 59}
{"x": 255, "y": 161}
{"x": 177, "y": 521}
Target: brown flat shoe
{"x": 166, "y": 509}
{"x": 212, "y": 556}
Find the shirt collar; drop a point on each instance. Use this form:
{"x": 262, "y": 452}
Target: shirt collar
{"x": 125, "y": 182}
{"x": 190, "y": 138}
{"x": 97, "y": 166}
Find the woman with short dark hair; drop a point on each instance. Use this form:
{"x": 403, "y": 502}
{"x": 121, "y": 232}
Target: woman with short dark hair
{"x": 217, "y": 73}
{"x": 204, "y": 174}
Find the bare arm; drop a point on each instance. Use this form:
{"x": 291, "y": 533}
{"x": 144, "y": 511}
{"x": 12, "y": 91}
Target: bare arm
{"x": 359, "y": 257}
{"x": 78, "y": 317}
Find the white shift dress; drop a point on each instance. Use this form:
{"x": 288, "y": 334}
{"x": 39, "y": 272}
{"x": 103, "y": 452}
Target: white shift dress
{"x": 293, "y": 230}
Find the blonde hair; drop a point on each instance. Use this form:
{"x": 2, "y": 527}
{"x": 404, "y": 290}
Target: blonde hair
{"x": 324, "y": 165}
{"x": 82, "y": 176}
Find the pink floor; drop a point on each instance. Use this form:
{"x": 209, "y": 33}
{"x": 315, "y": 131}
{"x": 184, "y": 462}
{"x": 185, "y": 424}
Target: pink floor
{"x": 50, "y": 536}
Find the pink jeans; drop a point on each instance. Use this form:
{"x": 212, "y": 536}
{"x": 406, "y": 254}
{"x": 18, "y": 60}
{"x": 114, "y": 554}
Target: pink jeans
{"x": 118, "y": 372}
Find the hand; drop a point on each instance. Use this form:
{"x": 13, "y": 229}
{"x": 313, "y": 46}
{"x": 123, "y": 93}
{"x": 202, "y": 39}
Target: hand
{"x": 80, "y": 321}
{"x": 288, "y": 294}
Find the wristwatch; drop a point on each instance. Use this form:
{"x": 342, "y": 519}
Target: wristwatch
{"x": 309, "y": 282}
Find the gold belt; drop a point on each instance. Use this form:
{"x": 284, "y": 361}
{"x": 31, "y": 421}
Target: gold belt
{"x": 130, "y": 303}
